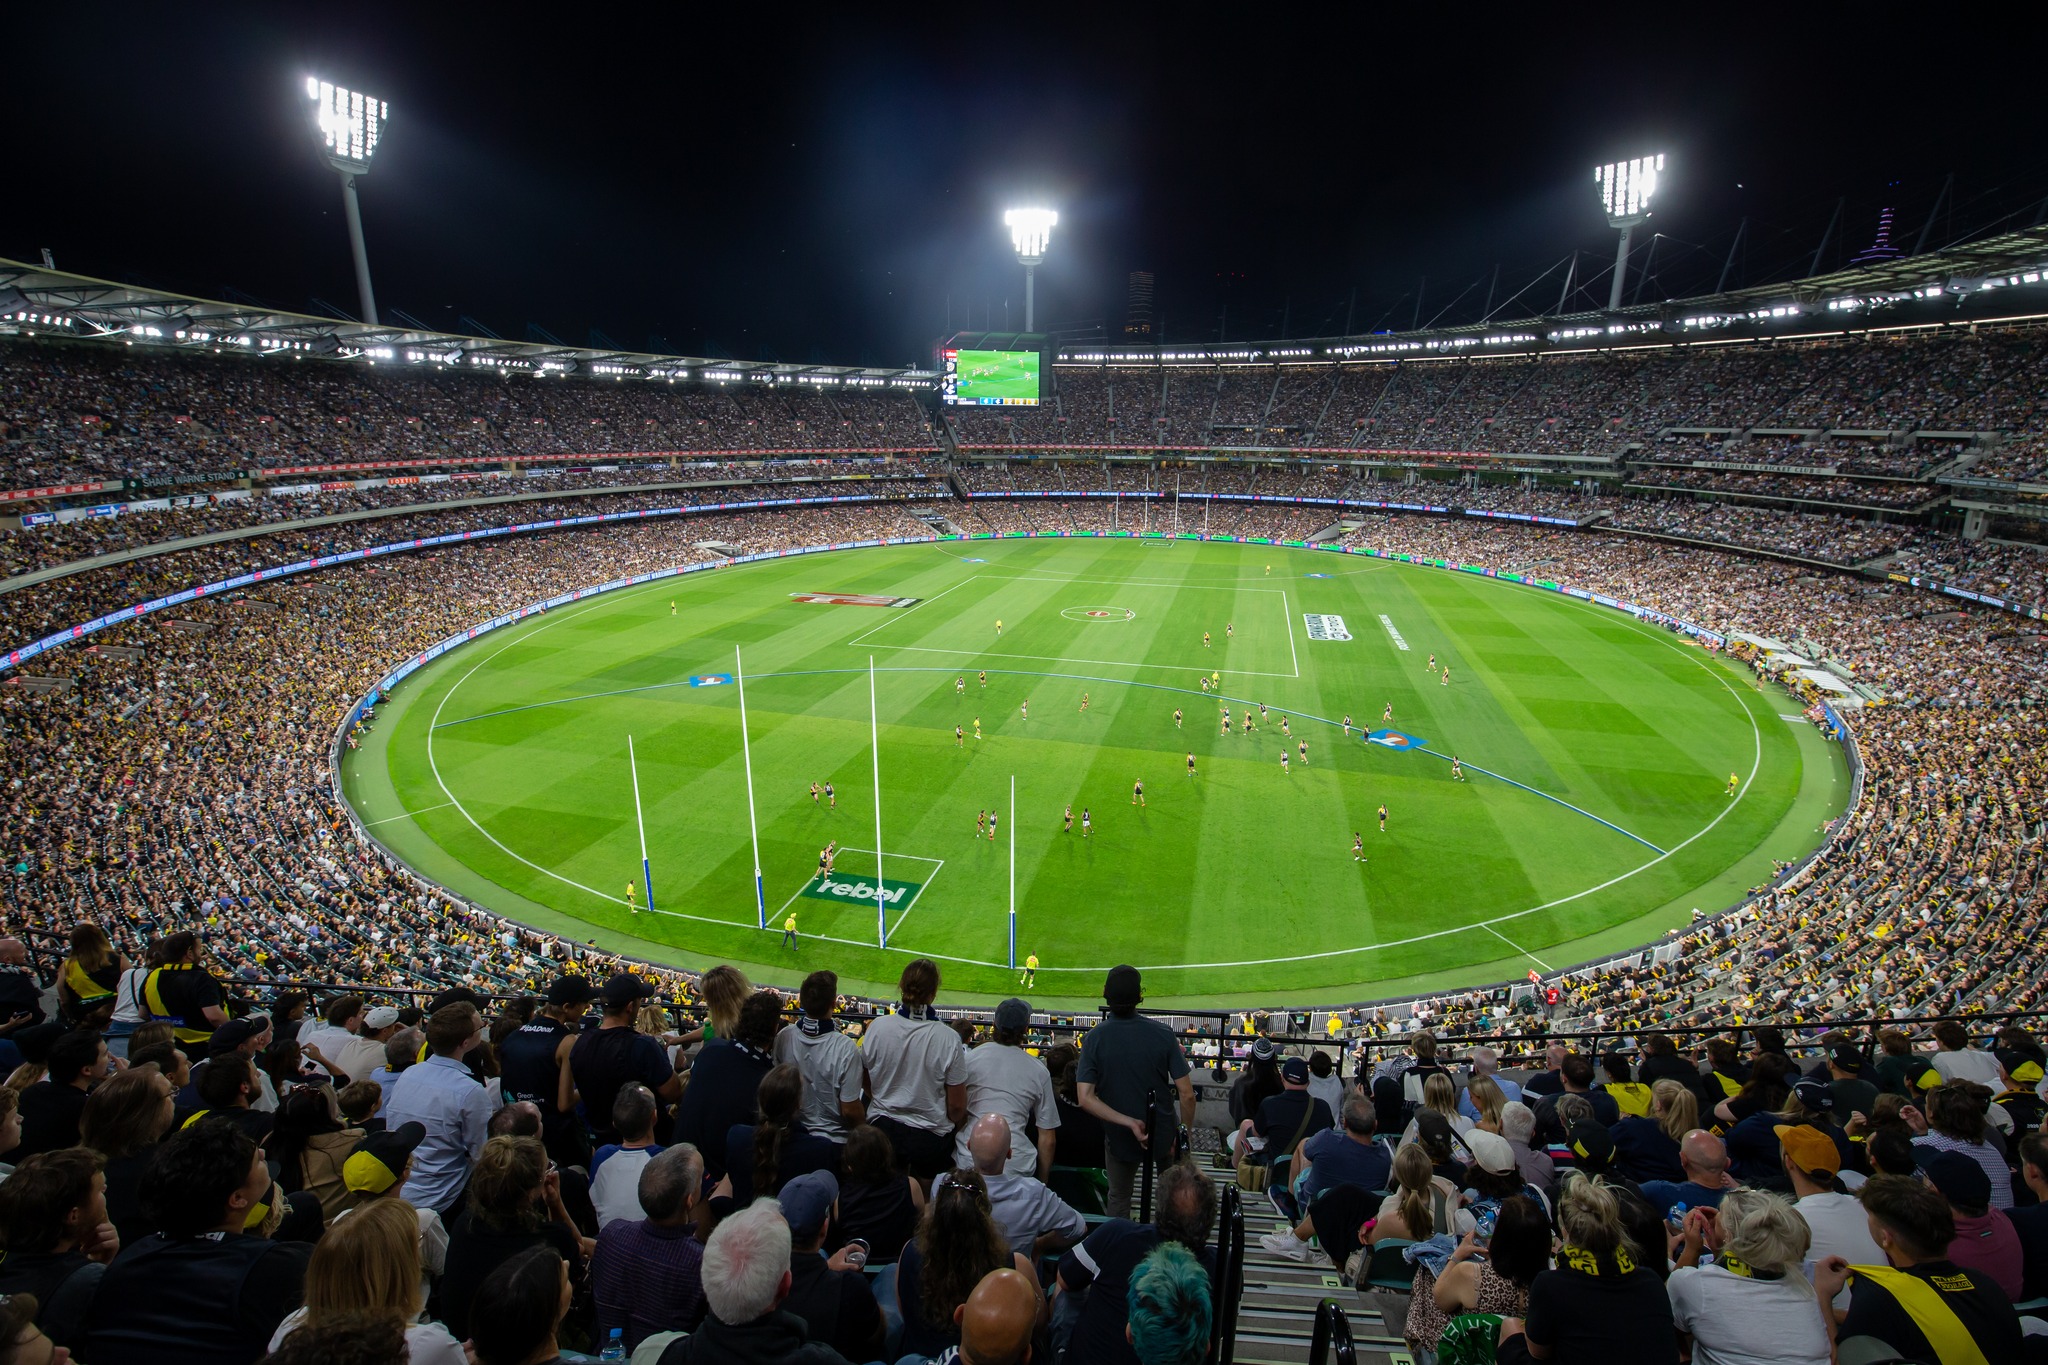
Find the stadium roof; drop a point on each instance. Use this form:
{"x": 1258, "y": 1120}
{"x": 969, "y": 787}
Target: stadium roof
{"x": 2006, "y": 274}
{"x": 37, "y": 300}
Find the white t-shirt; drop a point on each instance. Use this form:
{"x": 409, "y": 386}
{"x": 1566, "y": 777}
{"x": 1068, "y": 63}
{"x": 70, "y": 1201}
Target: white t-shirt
{"x": 831, "y": 1066}
{"x": 1011, "y": 1082}
{"x": 910, "y": 1063}
{"x": 1839, "y": 1228}
{"x": 330, "y": 1040}
{"x": 1969, "y": 1065}
{"x": 426, "y": 1343}
{"x": 615, "y": 1189}
{"x": 1739, "y": 1321}
{"x": 128, "y": 1003}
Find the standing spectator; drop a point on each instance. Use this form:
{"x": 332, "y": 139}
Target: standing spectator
{"x": 1985, "y": 1239}
{"x": 829, "y": 1061}
{"x": 442, "y": 1097}
{"x": 958, "y": 1241}
{"x": 56, "y": 1240}
{"x": 1168, "y": 1307}
{"x": 515, "y": 1203}
{"x": 182, "y": 993}
{"x": 1955, "y": 1122}
{"x": 877, "y": 1202}
{"x": 364, "y": 1053}
{"x": 123, "y": 1121}
{"x": 616, "y": 1168}
{"x": 916, "y": 1076}
{"x": 1752, "y": 1303}
{"x": 1834, "y": 1222}
{"x": 725, "y": 1083}
{"x": 1125, "y": 1060}
{"x": 1080, "y": 1140}
{"x": 370, "y": 1263}
{"x": 645, "y": 1273}
{"x": 1955, "y": 1060}
{"x": 831, "y": 1295}
{"x": 605, "y": 1058}
{"x": 200, "y": 1290}
{"x": 532, "y": 1058}
{"x": 50, "y": 1109}
{"x": 87, "y": 980}
{"x": 1599, "y": 1303}
{"x": 1106, "y": 1262}
{"x": 1034, "y": 1220}
{"x": 1920, "y": 1305}
{"x": 746, "y": 1280}
{"x": 760, "y": 1157}
{"x": 1002, "y": 1078}
{"x": 1647, "y": 1148}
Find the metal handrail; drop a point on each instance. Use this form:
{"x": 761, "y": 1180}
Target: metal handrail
{"x": 1331, "y": 1336}
{"x": 1229, "y": 1277}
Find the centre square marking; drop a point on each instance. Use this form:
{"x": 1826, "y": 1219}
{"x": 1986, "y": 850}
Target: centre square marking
{"x": 1098, "y": 613}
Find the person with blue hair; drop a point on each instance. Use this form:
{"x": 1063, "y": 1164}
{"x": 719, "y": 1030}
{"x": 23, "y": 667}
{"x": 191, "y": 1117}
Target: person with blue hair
{"x": 1168, "y": 1307}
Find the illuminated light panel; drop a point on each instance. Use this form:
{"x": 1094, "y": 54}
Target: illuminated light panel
{"x": 1626, "y": 186}
{"x": 351, "y": 122}
{"x": 1031, "y": 230}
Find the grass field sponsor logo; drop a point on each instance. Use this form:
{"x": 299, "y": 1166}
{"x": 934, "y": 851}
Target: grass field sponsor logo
{"x": 1097, "y": 613}
{"x": 850, "y": 890}
{"x": 710, "y": 679}
{"x": 1323, "y": 626}
{"x": 853, "y": 599}
{"x": 1394, "y": 739}
{"x": 1392, "y": 633}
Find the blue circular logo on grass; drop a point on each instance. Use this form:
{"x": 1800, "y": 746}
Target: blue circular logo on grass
{"x": 973, "y": 561}
{"x": 1394, "y": 739}
{"x": 1315, "y": 575}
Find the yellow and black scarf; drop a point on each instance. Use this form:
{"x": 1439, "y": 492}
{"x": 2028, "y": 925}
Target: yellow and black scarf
{"x": 1618, "y": 1262}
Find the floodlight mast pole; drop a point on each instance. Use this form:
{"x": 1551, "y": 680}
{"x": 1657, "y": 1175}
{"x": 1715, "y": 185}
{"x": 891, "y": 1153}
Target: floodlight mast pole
{"x": 350, "y": 124}
{"x": 354, "y": 210}
{"x": 1625, "y": 189}
{"x": 1030, "y": 231}
{"x": 1628, "y": 230}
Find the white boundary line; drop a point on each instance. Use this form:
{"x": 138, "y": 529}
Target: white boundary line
{"x": 406, "y": 814}
{"x": 1756, "y": 765}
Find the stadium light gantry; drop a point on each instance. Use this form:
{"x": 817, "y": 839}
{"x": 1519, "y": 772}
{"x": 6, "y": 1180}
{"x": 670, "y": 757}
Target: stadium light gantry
{"x": 1030, "y": 231}
{"x": 1625, "y": 189}
{"x": 351, "y": 124}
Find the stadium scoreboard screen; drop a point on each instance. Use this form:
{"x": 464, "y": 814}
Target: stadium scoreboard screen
{"x": 991, "y": 378}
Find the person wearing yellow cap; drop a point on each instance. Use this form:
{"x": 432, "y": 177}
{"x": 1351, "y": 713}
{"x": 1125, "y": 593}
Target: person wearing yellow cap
{"x": 2020, "y": 1098}
{"x": 1836, "y": 1221}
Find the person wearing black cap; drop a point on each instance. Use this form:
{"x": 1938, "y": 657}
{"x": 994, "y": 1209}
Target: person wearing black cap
{"x": 1985, "y": 1239}
{"x": 1125, "y": 1059}
{"x": 531, "y": 1061}
{"x": 1753, "y": 1149}
{"x": 603, "y": 1059}
{"x": 1285, "y": 1120}
{"x": 1854, "y": 1091}
{"x": 1002, "y": 1078}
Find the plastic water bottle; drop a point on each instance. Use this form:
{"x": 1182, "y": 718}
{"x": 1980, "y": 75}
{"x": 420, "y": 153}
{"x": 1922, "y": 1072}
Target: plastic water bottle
{"x": 615, "y": 1349}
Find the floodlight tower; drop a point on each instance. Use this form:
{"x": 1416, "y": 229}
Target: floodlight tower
{"x": 350, "y": 124}
{"x": 1626, "y": 187}
{"x": 1030, "y": 230}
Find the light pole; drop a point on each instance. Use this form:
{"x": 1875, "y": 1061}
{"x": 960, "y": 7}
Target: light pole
{"x": 350, "y": 124}
{"x": 1030, "y": 230}
{"x": 1625, "y": 188}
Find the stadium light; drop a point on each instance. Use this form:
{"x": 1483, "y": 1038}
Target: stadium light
{"x": 1625, "y": 189}
{"x": 351, "y": 124}
{"x": 1030, "y": 231}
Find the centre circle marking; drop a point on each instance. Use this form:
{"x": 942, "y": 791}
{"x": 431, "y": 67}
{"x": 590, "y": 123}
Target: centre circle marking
{"x": 1086, "y": 614}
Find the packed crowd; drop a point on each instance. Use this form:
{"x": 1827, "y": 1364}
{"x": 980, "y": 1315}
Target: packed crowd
{"x": 1856, "y": 492}
{"x": 1824, "y": 536}
{"x": 2016, "y": 573}
{"x": 73, "y": 412}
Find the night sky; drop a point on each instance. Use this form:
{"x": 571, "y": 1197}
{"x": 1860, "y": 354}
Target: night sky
{"x": 774, "y": 185}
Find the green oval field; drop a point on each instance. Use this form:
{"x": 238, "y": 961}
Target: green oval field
{"x": 1593, "y": 815}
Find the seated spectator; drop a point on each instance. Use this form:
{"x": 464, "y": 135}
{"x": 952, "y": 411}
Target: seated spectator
{"x": 1848, "y": 1078}
{"x": 1550, "y": 1080}
{"x": 1767, "y": 1089}
{"x": 1422, "y": 1205}
{"x": 199, "y": 1291}
{"x": 1704, "y": 1159}
{"x": 780, "y": 1146}
{"x": 1323, "y": 1081}
{"x": 1575, "y": 1076}
{"x": 1284, "y": 1120}
{"x": 2019, "y": 1097}
{"x": 2031, "y": 1221}
{"x": 1168, "y": 1307}
{"x": 1920, "y": 1305}
{"x": 877, "y": 1202}
{"x": 746, "y": 1280}
{"x": 514, "y": 1203}
{"x": 958, "y": 1241}
{"x": 1492, "y": 1177}
{"x": 519, "y": 1309}
{"x": 646, "y": 1272}
{"x": 1440, "y": 1097}
{"x": 55, "y": 1240}
{"x": 346, "y": 1339}
{"x": 1518, "y": 1126}
{"x": 725, "y": 1081}
{"x": 1955, "y": 1121}
{"x": 1034, "y": 1221}
{"x": 1258, "y": 1082}
{"x": 1495, "y": 1282}
{"x": 1834, "y": 1222}
{"x": 50, "y": 1108}
{"x": 1483, "y": 1097}
{"x": 370, "y": 1263}
{"x": 997, "y": 1323}
{"x": 228, "y": 1089}
{"x": 1646, "y": 1147}
{"x": 359, "y": 1103}
{"x": 1663, "y": 1062}
{"x": 1485, "y": 1065}
{"x": 1631, "y": 1096}
{"x": 377, "y": 1170}
{"x": 1092, "y": 1296}
{"x": 364, "y": 1052}
{"x": 123, "y": 1121}
{"x": 1599, "y": 1303}
{"x": 1753, "y": 1302}
{"x": 831, "y": 1294}
{"x": 1955, "y": 1059}
{"x": 1336, "y": 1178}
{"x": 615, "y": 1168}
{"x": 1985, "y": 1239}
{"x": 1753, "y": 1155}
{"x": 443, "y": 1097}
{"x": 309, "y": 1143}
